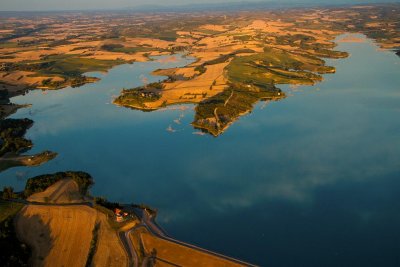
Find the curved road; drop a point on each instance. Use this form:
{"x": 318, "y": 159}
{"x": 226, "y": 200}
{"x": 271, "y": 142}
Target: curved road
{"x": 133, "y": 259}
{"x": 148, "y": 221}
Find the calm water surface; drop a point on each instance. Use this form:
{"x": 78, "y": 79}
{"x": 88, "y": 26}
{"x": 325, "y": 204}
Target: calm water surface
{"x": 312, "y": 180}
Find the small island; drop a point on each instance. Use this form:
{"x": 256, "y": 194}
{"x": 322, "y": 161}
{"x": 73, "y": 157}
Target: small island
{"x": 225, "y": 84}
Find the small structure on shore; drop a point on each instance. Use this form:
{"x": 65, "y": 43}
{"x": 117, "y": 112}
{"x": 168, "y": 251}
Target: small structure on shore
{"x": 120, "y": 216}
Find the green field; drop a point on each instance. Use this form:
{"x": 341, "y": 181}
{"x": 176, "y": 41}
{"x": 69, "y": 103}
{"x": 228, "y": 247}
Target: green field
{"x": 215, "y": 114}
{"x": 137, "y": 97}
{"x": 127, "y": 50}
{"x": 69, "y": 65}
{"x": 275, "y": 66}
{"x": 8, "y": 209}
{"x": 8, "y": 45}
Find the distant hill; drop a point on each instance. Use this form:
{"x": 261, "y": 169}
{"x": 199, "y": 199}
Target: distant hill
{"x": 256, "y": 5}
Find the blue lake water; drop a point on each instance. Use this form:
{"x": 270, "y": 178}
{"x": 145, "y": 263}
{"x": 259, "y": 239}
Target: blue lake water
{"x": 311, "y": 180}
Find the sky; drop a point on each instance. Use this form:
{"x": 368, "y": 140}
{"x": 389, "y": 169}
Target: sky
{"x": 46, "y": 5}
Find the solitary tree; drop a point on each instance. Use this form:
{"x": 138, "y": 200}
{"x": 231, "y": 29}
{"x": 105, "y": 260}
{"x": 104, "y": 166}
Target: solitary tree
{"x": 8, "y": 192}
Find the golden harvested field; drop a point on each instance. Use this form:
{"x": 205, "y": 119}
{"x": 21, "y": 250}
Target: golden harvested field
{"x": 157, "y": 43}
{"x": 179, "y": 254}
{"x": 103, "y": 55}
{"x": 204, "y": 56}
{"x": 57, "y": 234}
{"x": 25, "y": 77}
{"x": 188, "y": 72}
{"x": 217, "y": 28}
{"x": 195, "y": 90}
{"x": 109, "y": 250}
{"x": 351, "y": 39}
{"x": 61, "y": 235}
{"x": 202, "y": 82}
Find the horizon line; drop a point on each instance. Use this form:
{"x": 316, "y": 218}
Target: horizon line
{"x": 203, "y": 7}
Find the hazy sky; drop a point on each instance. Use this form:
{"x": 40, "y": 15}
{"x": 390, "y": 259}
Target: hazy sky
{"x": 43, "y": 5}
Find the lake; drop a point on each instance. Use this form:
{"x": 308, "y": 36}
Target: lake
{"x": 311, "y": 180}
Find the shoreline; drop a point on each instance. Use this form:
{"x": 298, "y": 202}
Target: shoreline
{"x": 129, "y": 223}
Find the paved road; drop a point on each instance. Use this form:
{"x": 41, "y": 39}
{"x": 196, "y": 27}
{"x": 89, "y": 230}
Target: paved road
{"x": 22, "y": 201}
{"x": 128, "y": 246}
{"x": 148, "y": 221}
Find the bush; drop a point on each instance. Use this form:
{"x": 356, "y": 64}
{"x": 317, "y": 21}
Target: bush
{"x": 102, "y": 201}
{"x": 111, "y": 47}
{"x": 11, "y": 135}
{"x": 8, "y": 193}
{"x": 13, "y": 252}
